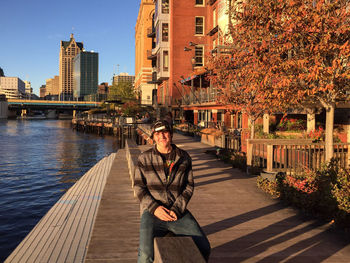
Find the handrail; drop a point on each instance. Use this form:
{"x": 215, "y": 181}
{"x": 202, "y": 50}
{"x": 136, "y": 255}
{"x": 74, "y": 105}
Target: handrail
{"x": 293, "y": 155}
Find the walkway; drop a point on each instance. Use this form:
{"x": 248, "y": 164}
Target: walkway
{"x": 244, "y": 224}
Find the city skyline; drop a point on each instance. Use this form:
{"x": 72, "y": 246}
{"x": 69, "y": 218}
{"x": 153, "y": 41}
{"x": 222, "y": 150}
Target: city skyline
{"x": 34, "y": 29}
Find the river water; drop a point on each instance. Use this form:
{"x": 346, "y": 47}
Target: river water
{"x": 39, "y": 161}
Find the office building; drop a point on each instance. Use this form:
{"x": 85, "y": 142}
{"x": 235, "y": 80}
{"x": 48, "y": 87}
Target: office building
{"x": 85, "y": 72}
{"x": 42, "y": 91}
{"x": 123, "y": 77}
{"x": 12, "y": 87}
{"x": 68, "y": 50}
{"x": 28, "y": 89}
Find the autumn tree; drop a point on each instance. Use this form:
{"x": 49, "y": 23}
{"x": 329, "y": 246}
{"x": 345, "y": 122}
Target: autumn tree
{"x": 315, "y": 40}
{"x": 244, "y": 75}
{"x": 285, "y": 53}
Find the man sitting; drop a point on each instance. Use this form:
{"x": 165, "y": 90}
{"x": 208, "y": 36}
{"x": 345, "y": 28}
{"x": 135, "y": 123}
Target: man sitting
{"x": 164, "y": 186}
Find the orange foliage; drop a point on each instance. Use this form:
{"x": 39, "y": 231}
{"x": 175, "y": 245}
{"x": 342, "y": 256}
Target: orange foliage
{"x": 283, "y": 53}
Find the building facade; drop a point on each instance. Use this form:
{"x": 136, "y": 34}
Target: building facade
{"x": 143, "y": 47}
{"x": 123, "y": 77}
{"x": 85, "y": 74}
{"x": 12, "y": 87}
{"x": 185, "y": 34}
{"x": 68, "y": 50}
{"x": 28, "y": 89}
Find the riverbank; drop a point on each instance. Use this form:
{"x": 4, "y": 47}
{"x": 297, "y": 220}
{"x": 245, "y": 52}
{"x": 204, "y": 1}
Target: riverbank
{"x": 40, "y": 161}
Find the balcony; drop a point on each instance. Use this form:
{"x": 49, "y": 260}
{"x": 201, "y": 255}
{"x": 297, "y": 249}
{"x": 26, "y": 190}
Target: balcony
{"x": 154, "y": 79}
{"x": 203, "y": 96}
{"x": 150, "y": 55}
{"x": 222, "y": 49}
{"x": 213, "y": 31}
{"x": 151, "y": 32}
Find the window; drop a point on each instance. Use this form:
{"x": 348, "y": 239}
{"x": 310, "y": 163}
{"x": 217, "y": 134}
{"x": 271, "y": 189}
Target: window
{"x": 199, "y": 56}
{"x": 199, "y": 25}
{"x": 199, "y": 2}
{"x": 165, "y": 60}
{"x": 165, "y": 32}
{"x": 165, "y": 6}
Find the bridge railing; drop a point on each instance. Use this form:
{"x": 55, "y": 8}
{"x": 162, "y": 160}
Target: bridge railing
{"x": 53, "y": 102}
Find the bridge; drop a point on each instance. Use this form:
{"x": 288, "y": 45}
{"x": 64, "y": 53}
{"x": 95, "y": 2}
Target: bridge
{"x": 20, "y": 104}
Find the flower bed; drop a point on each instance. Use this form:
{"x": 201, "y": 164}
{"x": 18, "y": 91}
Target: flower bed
{"x": 324, "y": 193}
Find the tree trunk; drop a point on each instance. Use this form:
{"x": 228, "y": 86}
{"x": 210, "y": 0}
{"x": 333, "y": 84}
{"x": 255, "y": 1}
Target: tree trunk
{"x": 252, "y": 130}
{"x": 329, "y": 131}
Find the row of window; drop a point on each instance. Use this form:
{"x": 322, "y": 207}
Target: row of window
{"x": 165, "y": 5}
{"x": 199, "y": 29}
{"x": 198, "y": 58}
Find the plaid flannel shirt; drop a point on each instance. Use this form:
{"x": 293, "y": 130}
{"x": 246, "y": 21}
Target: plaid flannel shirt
{"x": 153, "y": 189}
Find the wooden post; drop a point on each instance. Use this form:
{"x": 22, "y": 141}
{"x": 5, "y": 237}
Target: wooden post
{"x": 269, "y": 158}
{"x": 311, "y": 122}
{"x": 249, "y": 155}
{"x": 266, "y": 123}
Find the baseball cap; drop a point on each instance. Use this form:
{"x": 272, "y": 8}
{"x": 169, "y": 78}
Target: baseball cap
{"x": 161, "y": 125}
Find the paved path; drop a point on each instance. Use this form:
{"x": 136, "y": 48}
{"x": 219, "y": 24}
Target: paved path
{"x": 242, "y": 223}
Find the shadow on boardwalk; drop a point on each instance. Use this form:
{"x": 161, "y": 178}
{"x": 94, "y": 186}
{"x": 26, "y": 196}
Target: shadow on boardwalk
{"x": 245, "y": 225}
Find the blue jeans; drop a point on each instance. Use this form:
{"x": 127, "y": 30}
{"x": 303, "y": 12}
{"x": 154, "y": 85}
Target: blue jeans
{"x": 151, "y": 227}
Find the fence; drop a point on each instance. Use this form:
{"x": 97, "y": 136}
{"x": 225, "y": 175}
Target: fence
{"x": 233, "y": 142}
{"x": 292, "y": 156}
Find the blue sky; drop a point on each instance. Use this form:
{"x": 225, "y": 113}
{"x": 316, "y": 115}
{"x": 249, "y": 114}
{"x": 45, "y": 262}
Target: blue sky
{"x": 31, "y": 31}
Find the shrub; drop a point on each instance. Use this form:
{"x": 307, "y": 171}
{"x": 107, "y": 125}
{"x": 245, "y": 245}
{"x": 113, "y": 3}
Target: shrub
{"x": 341, "y": 192}
{"x": 324, "y": 193}
{"x": 270, "y": 187}
{"x": 286, "y": 124}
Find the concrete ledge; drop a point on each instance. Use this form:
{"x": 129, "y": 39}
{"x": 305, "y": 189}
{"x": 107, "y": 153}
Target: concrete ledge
{"x": 132, "y": 153}
{"x": 176, "y": 250}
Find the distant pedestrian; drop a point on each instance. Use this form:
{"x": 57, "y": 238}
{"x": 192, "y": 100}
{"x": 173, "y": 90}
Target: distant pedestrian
{"x": 169, "y": 119}
{"x": 164, "y": 186}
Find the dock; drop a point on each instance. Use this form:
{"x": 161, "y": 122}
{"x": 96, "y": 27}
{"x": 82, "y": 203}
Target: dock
{"x": 242, "y": 223}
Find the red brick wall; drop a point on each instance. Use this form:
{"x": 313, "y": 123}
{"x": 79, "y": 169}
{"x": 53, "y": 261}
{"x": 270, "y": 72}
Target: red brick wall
{"x": 182, "y": 31}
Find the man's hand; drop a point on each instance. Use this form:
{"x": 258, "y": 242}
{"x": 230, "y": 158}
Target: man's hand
{"x": 164, "y": 214}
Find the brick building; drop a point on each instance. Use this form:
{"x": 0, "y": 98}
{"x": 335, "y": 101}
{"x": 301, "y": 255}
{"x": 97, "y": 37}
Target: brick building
{"x": 143, "y": 47}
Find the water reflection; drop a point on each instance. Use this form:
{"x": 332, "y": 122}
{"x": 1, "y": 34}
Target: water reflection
{"x": 39, "y": 161}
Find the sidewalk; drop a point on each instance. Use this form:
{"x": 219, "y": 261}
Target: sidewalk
{"x": 244, "y": 224}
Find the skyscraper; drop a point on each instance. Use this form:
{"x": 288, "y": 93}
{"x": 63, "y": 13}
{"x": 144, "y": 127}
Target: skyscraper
{"x": 85, "y": 72}
{"x": 68, "y": 50}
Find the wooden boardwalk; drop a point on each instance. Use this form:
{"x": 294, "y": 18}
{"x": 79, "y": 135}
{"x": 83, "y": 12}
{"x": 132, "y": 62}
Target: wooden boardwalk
{"x": 116, "y": 233}
{"x": 242, "y": 223}
{"x": 62, "y": 235}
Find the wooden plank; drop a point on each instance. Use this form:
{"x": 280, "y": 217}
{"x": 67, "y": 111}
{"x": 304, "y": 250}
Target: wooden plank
{"x": 116, "y": 229}
{"x": 76, "y": 209}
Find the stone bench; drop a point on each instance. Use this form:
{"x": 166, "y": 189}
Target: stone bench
{"x": 176, "y": 250}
